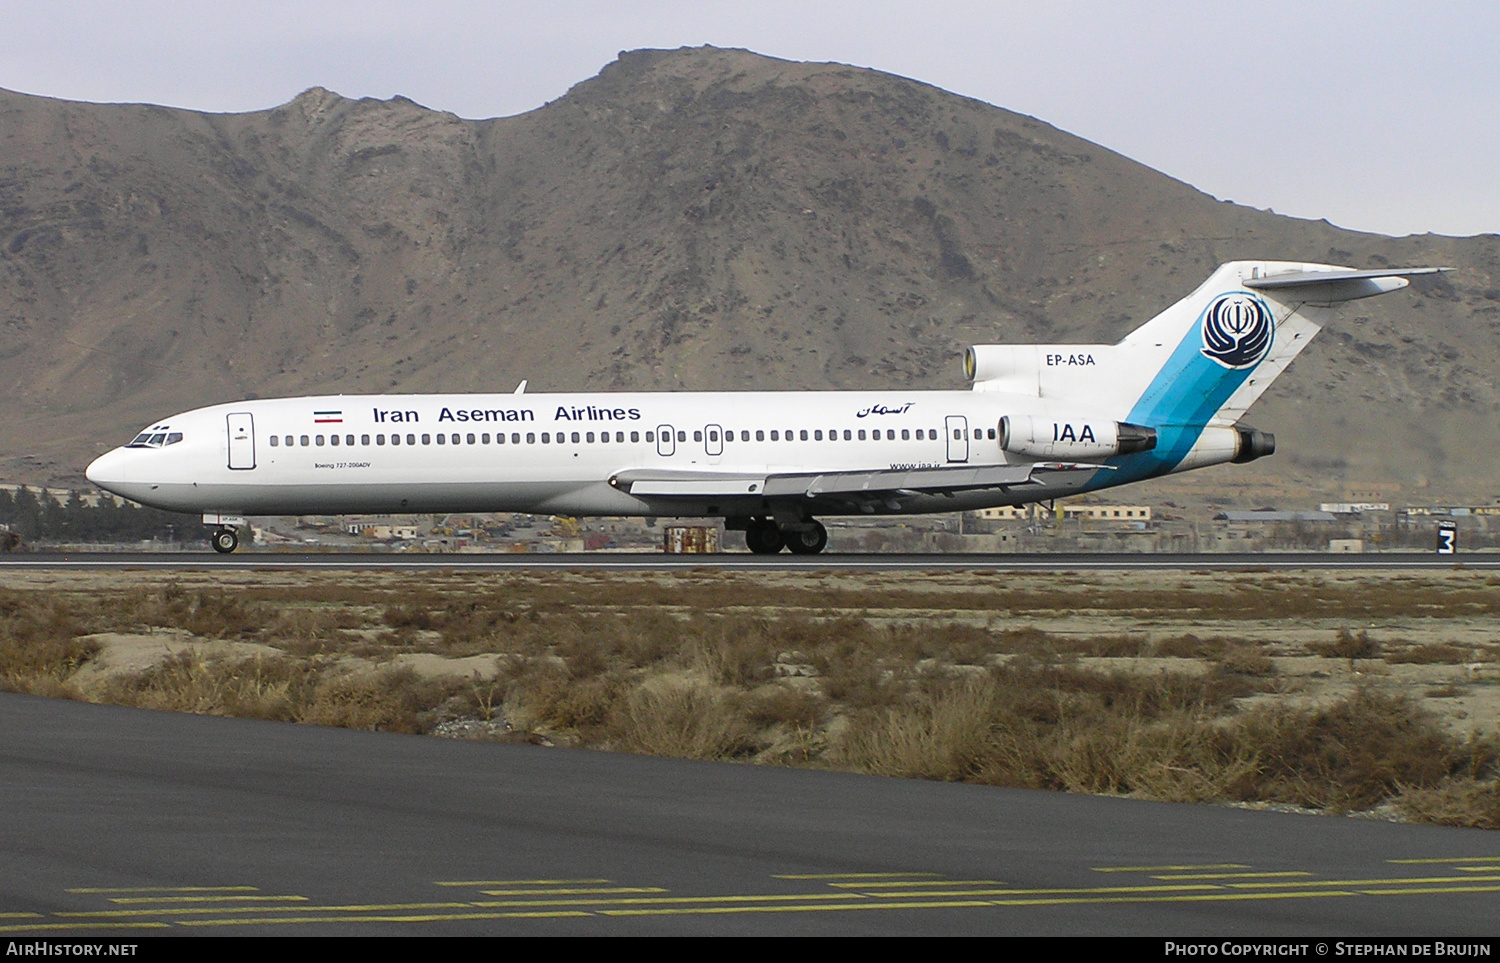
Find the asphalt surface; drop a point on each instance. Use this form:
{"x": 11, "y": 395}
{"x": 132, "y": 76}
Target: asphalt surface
{"x": 657, "y": 562}
{"x": 127, "y": 822}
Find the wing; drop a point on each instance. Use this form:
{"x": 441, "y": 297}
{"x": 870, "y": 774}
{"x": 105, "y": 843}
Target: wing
{"x": 851, "y": 486}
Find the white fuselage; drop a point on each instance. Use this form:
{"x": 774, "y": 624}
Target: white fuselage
{"x": 549, "y": 453}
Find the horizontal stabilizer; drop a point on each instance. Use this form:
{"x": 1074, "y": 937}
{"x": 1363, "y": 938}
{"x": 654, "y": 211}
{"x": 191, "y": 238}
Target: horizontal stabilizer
{"x": 1331, "y": 286}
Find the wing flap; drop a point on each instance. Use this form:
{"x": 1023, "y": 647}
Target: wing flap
{"x": 665, "y": 483}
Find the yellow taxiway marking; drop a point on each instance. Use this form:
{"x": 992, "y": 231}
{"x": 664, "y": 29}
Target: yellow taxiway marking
{"x": 658, "y": 900}
{"x": 20, "y": 916}
{"x": 1181, "y": 888}
{"x": 1417, "y": 890}
{"x": 523, "y": 882}
{"x": 921, "y": 882}
{"x": 601, "y": 891}
{"x": 1451, "y": 859}
{"x": 200, "y": 910}
{"x": 125, "y": 901}
{"x": 1233, "y": 875}
{"x": 428, "y": 918}
{"x": 1410, "y": 880}
{"x": 96, "y": 890}
{"x": 857, "y": 876}
{"x": 1167, "y": 869}
{"x": 815, "y": 908}
{"x": 1492, "y": 868}
{"x": 71, "y": 927}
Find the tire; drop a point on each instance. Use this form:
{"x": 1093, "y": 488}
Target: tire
{"x": 224, "y": 540}
{"x": 763, "y": 537}
{"x": 807, "y": 542}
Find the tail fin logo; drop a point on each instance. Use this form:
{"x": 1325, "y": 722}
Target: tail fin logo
{"x": 1237, "y": 330}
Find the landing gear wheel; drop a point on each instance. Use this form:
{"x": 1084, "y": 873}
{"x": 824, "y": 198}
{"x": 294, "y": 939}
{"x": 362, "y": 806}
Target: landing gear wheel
{"x": 808, "y": 541}
{"x": 224, "y": 540}
{"x": 763, "y": 537}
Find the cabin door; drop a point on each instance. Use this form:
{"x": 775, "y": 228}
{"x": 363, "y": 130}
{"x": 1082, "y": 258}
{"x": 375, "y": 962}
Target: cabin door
{"x": 666, "y": 444}
{"x": 958, "y": 438}
{"x": 241, "y": 441}
{"x": 713, "y": 443}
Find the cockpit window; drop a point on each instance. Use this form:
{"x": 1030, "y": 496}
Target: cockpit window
{"x": 158, "y": 437}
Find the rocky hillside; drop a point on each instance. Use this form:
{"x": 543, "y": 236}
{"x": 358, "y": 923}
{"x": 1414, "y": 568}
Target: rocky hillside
{"x": 697, "y": 218}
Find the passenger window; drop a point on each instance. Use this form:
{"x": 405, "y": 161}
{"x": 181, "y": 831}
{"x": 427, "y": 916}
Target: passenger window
{"x": 636, "y": 436}
{"x": 744, "y": 436}
{"x": 817, "y": 434}
{"x": 380, "y": 439}
{"x": 289, "y": 441}
{"x": 442, "y": 439}
{"x": 304, "y": 441}
{"x": 620, "y": 436}
{"x": 531, "y": 438}
{"x": 412, "y": 439}
{"x": 697, "y": 435}
{"x": 775, "y": 435}
{"x": 333, "y": 439}
{"x": 575, "y": 437}
{"x": 682, "y": 435}
{"x": 906, "y": 434}
{"x": 588, "y": 438}
{"x": 471, "y": 439}
{"x": 318, "y": 441}
{"x": 426, "y": 438}
{"x": 846, "y": 435}
{"x": 861, "y": 434}
{"x": 273, "y": 441}
{"x": 760, "y": 435}
{"x": 992, "y": 434}
{"x": 364, "y": 440}
{"x": 515, "y": 438}
{"x": 650, "y": 436}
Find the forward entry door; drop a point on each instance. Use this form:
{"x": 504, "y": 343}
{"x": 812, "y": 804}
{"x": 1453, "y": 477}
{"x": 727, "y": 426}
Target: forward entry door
{"x": 241, "y": 441}
{"x": 666, "y": 442}
{"x": 958, "y": 438}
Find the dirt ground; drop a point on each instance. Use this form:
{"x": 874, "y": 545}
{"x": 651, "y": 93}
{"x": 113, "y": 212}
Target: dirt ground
{"x": 1434, "y": 638}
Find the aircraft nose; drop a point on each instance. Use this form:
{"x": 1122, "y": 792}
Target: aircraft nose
{"x": 104, "y": 471}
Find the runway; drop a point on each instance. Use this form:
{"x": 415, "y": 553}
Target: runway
{"x": 743, "y": 562}
{"x": 118, "y": 821}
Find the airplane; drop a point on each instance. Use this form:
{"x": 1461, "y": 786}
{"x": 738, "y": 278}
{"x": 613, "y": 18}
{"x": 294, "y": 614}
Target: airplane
{"x": 1039, "y": 422}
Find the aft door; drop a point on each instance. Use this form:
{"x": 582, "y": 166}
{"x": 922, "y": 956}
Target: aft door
{"x": 666, "y": 443}
{"x": 958, "y": 438}
{"x": 713, "y": 443}
{"x": 241, "y": 441}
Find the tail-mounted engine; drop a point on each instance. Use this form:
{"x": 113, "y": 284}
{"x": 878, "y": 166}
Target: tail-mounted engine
{"x": 1073, "y": 437}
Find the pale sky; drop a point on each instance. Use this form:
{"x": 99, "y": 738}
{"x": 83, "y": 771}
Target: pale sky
{"x": 1379, "y": 116}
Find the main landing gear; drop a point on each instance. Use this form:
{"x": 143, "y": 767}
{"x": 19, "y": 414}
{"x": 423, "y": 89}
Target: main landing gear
{"x": 224, "y": 540}
{"x": 764, "y": 537}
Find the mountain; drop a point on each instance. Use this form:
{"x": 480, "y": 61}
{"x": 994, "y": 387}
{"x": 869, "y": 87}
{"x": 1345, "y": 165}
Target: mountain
{"x": 697, "y": 218}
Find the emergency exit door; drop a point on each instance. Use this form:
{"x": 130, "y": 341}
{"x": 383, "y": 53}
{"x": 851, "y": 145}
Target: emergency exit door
{"x": 958, "y": 438}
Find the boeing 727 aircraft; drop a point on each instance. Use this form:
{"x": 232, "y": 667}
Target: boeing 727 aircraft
{"x": 1041, "y": 421}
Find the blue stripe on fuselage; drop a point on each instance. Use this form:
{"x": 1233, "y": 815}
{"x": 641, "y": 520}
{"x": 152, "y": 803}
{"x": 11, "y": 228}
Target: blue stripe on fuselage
{"x": 1188, "y": 391}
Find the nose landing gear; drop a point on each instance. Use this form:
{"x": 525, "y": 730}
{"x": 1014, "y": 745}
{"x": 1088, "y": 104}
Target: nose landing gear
{"x": 225, "y": 536}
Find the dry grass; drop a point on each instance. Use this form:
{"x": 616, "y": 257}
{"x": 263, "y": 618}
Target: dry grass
{"x": 952, "y": 680}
